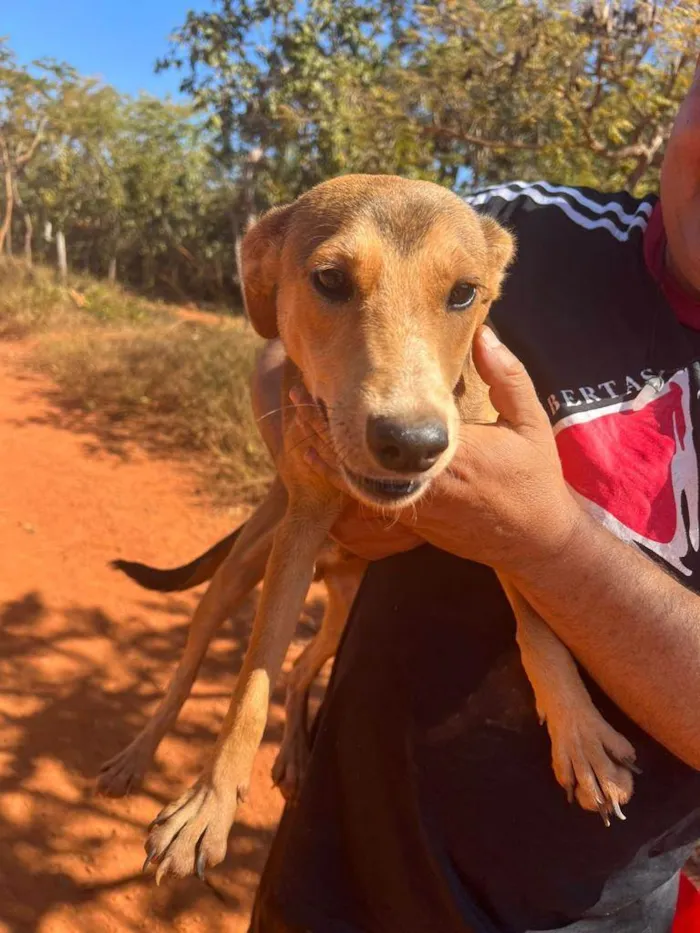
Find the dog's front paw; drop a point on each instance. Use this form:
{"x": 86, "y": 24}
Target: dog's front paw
{"x": 191, "y": 834}
{"x": 593, "y": 763}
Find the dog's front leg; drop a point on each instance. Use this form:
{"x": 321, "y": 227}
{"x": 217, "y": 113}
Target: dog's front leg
{"x": 590, "y": 759}
{"x": 193, "y": 832}
{"x": 242, "y": 570}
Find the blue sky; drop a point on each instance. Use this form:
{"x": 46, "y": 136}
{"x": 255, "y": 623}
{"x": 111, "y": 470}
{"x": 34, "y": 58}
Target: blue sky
{"x": 117, "y": 40}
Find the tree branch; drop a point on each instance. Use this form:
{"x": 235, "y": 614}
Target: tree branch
{"x": 675, "y": 73}
{"x": 643, "y": 162}
{"x": 642, "y": 151}
{"x": 635, "y": 150}
{"x": 460, "y": 136}
{"x": 22, "y": 158}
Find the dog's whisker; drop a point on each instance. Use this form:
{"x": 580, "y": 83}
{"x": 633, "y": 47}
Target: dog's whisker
{"x": 394, "y": 522}
{"x": 276, "y": 411}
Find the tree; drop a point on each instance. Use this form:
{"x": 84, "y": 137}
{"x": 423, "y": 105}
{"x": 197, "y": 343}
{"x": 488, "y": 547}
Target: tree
{"x": 121, "y": 187}
{"x": 462, "y": 91}
{"x": 309, "y": 98}
{"x": 25, "y": 109}
{"x": 132, "y": 189}
{"x": 72, "y": 182}
{"x": 575, "y": 92}
{"x": 284, "y": 95}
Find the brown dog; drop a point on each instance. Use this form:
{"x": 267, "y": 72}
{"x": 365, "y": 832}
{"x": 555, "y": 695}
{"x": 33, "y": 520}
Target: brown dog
{"x": 376, "y": 286}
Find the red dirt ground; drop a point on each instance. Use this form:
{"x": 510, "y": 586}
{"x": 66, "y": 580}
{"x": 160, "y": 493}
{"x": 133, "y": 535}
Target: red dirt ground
{"x": 84, "y": 656}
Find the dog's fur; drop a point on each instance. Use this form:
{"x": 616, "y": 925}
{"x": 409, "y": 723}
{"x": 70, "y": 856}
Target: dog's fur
{"x": 385, "y": 347}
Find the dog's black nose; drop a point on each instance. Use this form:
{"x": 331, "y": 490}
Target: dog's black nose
{"x": 404, "y": 447}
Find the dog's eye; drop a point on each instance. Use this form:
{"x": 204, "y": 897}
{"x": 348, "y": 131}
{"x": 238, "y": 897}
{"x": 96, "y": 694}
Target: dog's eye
{"x": 462, "y": 296}
{"x": 332, "y": 283}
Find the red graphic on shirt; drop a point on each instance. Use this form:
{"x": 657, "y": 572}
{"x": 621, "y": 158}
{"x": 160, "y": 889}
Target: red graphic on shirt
{"x": 633, "y": 462}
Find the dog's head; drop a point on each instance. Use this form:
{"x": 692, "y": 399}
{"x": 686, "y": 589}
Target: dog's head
{"x": 376, "y": 286}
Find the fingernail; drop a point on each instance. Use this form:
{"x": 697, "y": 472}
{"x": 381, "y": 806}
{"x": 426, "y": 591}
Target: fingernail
{"x": 500, "y": 353}
{"x": 490, "y": 339}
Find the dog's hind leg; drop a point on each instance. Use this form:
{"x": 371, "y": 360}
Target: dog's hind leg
{"x": 241, "y": 571}
{"x": 342, "y": 578}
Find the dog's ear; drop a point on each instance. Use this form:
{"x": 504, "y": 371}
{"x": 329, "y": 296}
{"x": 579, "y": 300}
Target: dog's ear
{"x": 500, "y": 242}
{"x": 260, "y": 269}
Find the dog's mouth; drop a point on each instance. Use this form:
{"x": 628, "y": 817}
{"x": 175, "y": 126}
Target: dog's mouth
{"x": 378, "y": 490}
{"x": 384, "y": 490}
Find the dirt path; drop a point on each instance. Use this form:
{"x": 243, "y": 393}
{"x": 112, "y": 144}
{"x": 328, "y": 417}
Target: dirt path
{"x": 84, "y": 655}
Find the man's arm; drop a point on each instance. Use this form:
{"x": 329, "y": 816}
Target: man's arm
{"x": 633, "y": 627}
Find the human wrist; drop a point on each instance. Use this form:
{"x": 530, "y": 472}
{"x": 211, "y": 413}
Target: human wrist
{"x": 551, "y": 549}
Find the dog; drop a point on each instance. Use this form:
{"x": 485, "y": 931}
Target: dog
{"x": 376, "y": 286}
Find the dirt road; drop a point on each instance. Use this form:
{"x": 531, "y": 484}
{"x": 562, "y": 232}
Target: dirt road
{"x": 84, "y": 655}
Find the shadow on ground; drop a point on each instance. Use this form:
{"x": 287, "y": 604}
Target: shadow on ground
{"x": 76, "y": 686}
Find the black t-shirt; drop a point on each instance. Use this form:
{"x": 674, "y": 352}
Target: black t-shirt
{"x": 429, "y": 804}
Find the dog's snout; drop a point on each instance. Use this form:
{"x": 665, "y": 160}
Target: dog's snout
{"x": 404, "y": 447}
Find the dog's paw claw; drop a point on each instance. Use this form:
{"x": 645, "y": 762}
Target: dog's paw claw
{"x": 617, "y": 810}
{"x": 200, "y": 862}
{"x": 594, "y": 764}
{"x": 631, "y": 765}
{"x": 191, "y": 834}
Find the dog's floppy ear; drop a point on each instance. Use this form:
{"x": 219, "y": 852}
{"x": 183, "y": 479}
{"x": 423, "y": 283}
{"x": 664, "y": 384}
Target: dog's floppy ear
{"x": 501, "y": 243}
{"x": 260, "y": 270}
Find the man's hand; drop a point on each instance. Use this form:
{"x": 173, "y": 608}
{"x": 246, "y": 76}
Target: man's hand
{"x": 503, "y": 500}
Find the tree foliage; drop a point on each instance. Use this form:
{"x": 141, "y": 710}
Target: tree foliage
{"x": 132, "y": 186}
{"x": 461, "y": 91}
{"x": 285, "y": 93}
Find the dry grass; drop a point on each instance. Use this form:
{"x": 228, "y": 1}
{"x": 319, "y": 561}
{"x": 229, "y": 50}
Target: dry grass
{"x": 138, "y": 373}
{"x": 175, "y": 388}
{"x": 32, "y": 301}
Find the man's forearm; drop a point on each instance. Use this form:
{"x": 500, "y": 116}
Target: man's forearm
{"x": 632, "y": 626}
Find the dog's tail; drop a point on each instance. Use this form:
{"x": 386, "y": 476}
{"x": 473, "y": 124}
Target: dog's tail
{"x": 177, "y": 579}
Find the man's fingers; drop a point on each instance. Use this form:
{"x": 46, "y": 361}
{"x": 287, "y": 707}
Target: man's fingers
{"x": 512, "y": 392}
{"x": 329, "y": 473}
{"x": 307, "y": 413}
